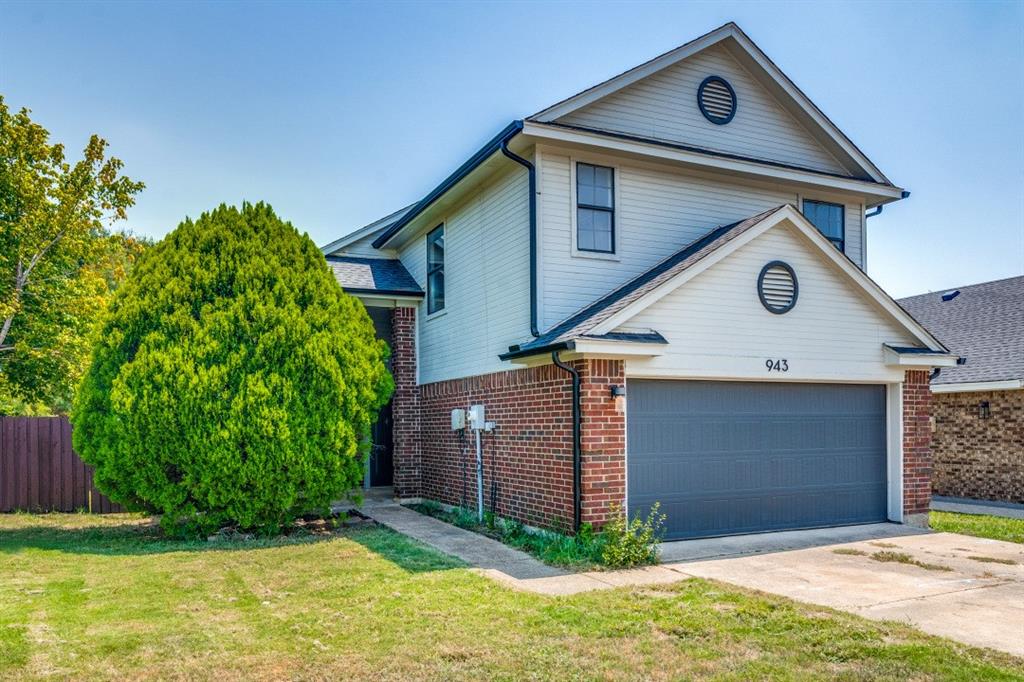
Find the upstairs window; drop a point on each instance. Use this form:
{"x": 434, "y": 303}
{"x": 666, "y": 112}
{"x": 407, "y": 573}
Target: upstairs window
{"x": 829, "y": 220}
{"x": 435, "y": 270}
{"x": 595, "y": 208}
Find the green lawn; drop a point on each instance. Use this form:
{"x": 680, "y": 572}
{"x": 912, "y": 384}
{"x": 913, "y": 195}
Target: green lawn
{"x": 86, "y": 597}
{"x": 979, "y": 525}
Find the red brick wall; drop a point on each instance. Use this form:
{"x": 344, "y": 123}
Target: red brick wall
{"x": 529, "y": 455}
{"x": 917, "y": 438}
{"x": 405, "y": 403}
{"x": 979, "y": 458}
{"x": 604, "y": 440}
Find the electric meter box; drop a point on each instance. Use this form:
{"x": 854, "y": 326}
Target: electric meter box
{"x": 458, "y": 419}
{"x": 476, "y": 417}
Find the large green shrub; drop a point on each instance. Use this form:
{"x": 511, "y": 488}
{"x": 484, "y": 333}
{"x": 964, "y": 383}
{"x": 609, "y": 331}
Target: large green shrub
{"x": 232, "y": 381}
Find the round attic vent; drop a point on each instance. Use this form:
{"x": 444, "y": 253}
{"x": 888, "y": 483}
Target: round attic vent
{"x": 777, "y": 287}
{"x": 717, "y": 100}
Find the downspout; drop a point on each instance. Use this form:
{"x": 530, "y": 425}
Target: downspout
{"x": 532, "y": 171}
{"x": 577, "y": 457}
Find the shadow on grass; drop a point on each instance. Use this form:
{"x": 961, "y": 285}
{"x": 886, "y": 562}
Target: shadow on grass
{"x": 71, "y": 533}
{"x": 134, "y": 535}
{"x": 408, "y": 554}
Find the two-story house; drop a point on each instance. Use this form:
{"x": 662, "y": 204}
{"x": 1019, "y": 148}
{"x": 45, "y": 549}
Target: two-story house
{"x": 657, "y": 290}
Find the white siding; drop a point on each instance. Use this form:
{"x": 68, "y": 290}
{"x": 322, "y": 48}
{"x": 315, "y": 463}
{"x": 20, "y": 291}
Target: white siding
{"x": 657, "y": 213}
{"x": 717, "y": 327}
{"x": 663, "y": 106}
{"x": 855, "y": 234}
{"x": 487, "y": 282}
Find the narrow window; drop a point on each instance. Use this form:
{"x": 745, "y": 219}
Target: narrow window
{"x": 435, "y": 270}
{"x": 828, "y": 218}
{"x": 595, "y": 209}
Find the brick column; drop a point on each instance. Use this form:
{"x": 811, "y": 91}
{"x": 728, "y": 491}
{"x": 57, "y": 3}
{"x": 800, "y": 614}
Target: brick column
{"x": 603, "y": 439}
{"x": 405, "y": 403}
{"x": 917, "y": 454}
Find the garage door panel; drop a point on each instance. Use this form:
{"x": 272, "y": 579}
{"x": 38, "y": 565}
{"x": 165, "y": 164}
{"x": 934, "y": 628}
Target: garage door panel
{"x": 754, "y": 471}
{"x": 732, "y": 514}
{"x": 727, "y": 458}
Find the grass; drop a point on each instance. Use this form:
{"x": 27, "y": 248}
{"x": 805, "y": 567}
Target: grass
{"x": 85, "y": 597}
{"x": 580, "y": 552}
{"x": 993, "y": 560}
{"x": 849, "y": 551}
{"x": 979, "y": 525}
{"x": 903, "y": 558}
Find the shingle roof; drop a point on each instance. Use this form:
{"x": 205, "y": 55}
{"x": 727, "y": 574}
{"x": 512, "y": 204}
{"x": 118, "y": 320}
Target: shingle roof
{"x": 373, "y": 275}
{"x": 984, "y": 323}
{"x": 586, "y": 319}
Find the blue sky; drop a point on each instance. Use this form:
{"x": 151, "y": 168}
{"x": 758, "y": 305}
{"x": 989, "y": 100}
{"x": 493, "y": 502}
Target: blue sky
{"x": 340, "y": 113}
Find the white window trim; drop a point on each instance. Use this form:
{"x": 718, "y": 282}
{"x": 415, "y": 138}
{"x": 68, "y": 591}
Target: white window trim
{"x": 827, "y": 199}
{"x": 616, "y": 223}
{"x": 426, "y": 273}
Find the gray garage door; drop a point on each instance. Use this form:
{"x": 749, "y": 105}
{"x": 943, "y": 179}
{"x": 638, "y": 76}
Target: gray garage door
{"x": 728, "y": 457}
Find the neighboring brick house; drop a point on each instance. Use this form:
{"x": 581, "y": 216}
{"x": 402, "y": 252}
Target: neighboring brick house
{"x": 978, "y": 444}
{"x": 655, "y": 288}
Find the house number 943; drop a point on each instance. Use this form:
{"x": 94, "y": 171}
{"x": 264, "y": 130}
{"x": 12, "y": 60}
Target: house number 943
{"x": 780, "y": 365}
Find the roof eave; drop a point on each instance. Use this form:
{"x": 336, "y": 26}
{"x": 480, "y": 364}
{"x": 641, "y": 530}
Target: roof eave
{"x": 365, "y": 230}
{"x": 471, "y": 164}
{"x": 919, "y": 357}
{"x": 358, "y": 291}
{"x": 711, "y": 160}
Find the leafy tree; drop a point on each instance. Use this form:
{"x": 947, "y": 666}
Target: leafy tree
{"x": 54, "y": 248}
{"x": 233, "y": 381}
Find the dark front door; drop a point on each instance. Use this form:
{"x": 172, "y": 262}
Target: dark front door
{"x": 381, "y": 466}
{"x": 381, "y": 463}
{"x": 725, "y": 458}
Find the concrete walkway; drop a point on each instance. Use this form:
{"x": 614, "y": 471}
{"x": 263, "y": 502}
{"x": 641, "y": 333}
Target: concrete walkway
{"x": 475, "y": 549}
{"x": 962, "y": 505}
{"x": 965, "y": 588}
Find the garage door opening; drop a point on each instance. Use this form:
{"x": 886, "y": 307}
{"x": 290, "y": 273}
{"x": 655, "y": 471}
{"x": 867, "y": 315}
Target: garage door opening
{"x": 726, "y": 458}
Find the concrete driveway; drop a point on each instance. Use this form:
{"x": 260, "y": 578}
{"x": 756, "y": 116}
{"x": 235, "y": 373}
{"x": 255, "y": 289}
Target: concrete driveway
{"x": 968, "y": 589}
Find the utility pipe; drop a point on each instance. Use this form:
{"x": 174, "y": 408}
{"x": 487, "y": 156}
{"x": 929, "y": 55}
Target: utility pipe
{"x": 577, "y": 456}
{"x": 479, "y": 478}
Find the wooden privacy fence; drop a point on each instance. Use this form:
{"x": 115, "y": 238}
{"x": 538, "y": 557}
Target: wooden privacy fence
{"x": 40, "y": 472}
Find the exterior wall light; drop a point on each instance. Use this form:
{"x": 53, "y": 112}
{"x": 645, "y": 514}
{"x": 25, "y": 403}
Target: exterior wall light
{"x": 618, "y": 394}
{"x": 983, "y": 410}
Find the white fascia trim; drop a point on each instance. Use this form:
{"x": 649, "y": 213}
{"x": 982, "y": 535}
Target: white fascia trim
{"x": 618, "y": 348}
{"x": 395, "y": 301}
{"x": 936, "y": 359}
{"x": 883, "y": 193}
{"x": 811, "y": 233}
{"x": 729, "y": 30}
{"x": 977, "y": 386}
{"x": 595, "y": 348}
